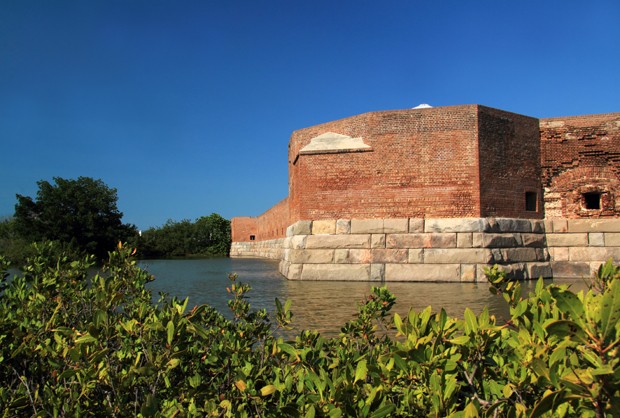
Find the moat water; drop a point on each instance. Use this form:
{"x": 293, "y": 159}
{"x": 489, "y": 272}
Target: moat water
{"x": 323, "y": 306}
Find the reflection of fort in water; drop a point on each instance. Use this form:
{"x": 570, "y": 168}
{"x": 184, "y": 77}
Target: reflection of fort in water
{"x": 441, "y": 193}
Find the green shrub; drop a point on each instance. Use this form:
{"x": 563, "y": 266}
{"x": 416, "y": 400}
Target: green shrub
{"x": 76, "y": 344}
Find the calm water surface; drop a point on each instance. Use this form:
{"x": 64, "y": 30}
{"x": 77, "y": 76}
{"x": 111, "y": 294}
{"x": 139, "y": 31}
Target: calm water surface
{"x": 323, "y": 306}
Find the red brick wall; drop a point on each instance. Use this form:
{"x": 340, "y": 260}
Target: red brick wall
{"x": 581, "y": 154}
{"x": 242, "y": 227}
{"x": 423, "y": 163}
{"x": 271, "y": 224}
{"x": 509, "y": 163}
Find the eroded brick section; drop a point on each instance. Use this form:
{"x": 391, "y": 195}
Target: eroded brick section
{"x": 581, "y": 155}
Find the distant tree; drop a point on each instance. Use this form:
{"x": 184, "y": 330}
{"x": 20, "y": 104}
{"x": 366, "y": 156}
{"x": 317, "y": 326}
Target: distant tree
{"x": 208, "y": 236}
{"x": 12, "y": 245}
{"x": 212, "y": 233}
{"x": 79, "y": 212}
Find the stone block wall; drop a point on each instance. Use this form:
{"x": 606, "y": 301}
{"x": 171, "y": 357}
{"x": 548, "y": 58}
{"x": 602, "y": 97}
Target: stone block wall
{"x": 414, "y": 249}
{"x": 271, "y": 249}
{"x": 579, "y": 246}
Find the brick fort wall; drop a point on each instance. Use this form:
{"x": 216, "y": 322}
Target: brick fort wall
{"x": 580, "y": 155}
{"x": 420, "y": 162}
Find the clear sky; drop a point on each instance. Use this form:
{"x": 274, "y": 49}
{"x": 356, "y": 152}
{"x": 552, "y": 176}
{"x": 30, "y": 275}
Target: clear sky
{"x": 186, "y": 107}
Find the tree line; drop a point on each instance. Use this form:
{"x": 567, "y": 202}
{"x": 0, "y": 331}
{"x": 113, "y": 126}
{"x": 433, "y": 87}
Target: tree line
{"x": 82, "y": 216}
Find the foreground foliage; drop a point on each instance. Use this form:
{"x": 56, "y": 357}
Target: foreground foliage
{"x": 82, "y": 345}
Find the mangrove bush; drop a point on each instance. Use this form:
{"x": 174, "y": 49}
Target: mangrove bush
{"x": 81, "y": 345}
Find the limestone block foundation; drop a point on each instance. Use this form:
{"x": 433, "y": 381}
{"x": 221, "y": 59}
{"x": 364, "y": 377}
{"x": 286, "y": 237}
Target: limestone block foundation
{"x": 451, "y": 250}
{"x": 577, "y": 247}
{"x": 443, "y": 249}
{"x": 272, "y": 249}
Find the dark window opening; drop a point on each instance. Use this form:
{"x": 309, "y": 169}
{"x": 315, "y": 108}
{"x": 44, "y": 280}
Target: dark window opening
{"x": 531, "y": 201}
{"x": 252, "y": 237}
{"x": 592, "y": 200}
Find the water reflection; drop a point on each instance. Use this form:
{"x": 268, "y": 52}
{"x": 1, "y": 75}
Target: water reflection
{"x": 323, "y": 306}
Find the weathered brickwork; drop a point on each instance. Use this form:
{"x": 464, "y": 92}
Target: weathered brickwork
{"x": 440, "y": 193}
{"x": 270, "y": 225}
{"x": 442, "y": 162}
{"x": 581, "y": 155}
{"x": 509, "y": 164}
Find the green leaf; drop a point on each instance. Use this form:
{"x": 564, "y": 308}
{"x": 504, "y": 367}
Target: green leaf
{"x": 383, "y": 411}
{"x": 267, "y": 390}
{"x": 548, "y": 403}
{"x": 174, "y": 362}
{"x": 567, "y": 329}
{"x": 170, "y": 331}
{"x": 610, "y": 309}
{"x": 398, "y": 323}
{"x": 569, "y": 303}
{"x": 471, "y": 411}
{"x": 471, "y": 323}
{"x": 310, "y": 412}
{"x": 86, "y": 339}
{"x": 360, "y": 371}
{"x": 289, "y": 349}
{"x": 462, "y": 340}
{"x": 335, "y": 413}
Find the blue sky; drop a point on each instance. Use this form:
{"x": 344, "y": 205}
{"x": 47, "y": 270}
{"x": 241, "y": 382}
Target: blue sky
{"x": 186, "y": 107}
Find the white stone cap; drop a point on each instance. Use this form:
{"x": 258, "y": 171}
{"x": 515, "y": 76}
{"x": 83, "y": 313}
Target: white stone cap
{"x": 331, "y": 142}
